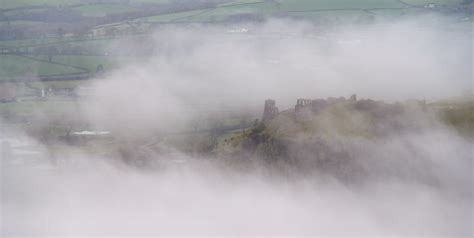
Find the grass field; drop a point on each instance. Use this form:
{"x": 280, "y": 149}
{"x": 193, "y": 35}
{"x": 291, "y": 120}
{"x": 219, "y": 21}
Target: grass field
{"x": 13, "y": 24}
{"x": 60, "y": 84}
{"x": 337, "y": 8}
{"x": 318, "y": 5}
{"x": 87, "y": 62}
{"x": 152, "y": 1}
{"x": 13, "y": 12}
{"x": 171, "y": 17}
{"x": 100, "y": 10}
{"x": 97, "y": 44}
{"x": 440, "y": 2}
{"x": 34, "y": 110}
{"x": 329, "y": 8}
{"x": 15, "y": 66}
{"x": 237, "y": 2}
{"x": 24, "y": 42}
{"x": 12, "y": 67}
{"x": 220, "y": 13}
{"x": 334, "y": 15}
{"x": 216, "y": 14}
{"x": 6, "y": 4}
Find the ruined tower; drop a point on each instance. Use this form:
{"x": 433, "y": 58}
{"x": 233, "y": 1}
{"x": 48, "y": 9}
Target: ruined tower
{"x": 301, "y": 104}
{"x": 303, "y": 109}
{"x": 270, "y": 111}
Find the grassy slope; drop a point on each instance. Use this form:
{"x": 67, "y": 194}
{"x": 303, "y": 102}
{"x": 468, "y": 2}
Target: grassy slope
{"x": 458, "y": 113}
{"x": 235, "y": 2}
{"x": 343, "y": 120}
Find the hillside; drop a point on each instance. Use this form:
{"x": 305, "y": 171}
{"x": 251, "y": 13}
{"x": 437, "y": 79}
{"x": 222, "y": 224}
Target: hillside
{"x": 336, "y": 139}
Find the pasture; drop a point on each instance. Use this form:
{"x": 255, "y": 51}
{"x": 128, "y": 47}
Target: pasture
{"x": 101, "y": 10}
{"x": 323, "y": 5}
{"x": 440, "y": 2}
{"x": 64, "y": 51}
{"x": 12, "y": 66}
{"x": 8, "y": 4}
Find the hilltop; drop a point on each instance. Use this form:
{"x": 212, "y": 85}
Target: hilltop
{"x": 333, "y": 135}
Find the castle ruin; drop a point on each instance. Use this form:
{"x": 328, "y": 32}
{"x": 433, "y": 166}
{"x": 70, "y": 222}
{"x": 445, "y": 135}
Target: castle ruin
{"x": 304, "y": 108}
{"x": 270, "y": 110}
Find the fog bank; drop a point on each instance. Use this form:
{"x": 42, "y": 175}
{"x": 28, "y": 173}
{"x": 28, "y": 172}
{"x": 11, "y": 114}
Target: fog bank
{"x": 202, "y": 69}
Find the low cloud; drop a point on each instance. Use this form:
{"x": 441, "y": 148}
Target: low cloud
{"x": 202, "y": 69}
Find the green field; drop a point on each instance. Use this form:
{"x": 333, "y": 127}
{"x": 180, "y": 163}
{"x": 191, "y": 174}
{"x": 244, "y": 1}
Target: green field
{"x": 100, "y": 10}
{"x": 60, "y": 84}
{"x": 236, "y": 2}
{"x": 31, "y": 107}
{"x": 6, "y": 4}
{"x": 25, "y": 42}
{"x": 440, "y": 2}
{"x": 93, "y": 53}
{"x": 16, "y": 66}
{"x": 318, "y": 5}
{"x": 329, "y": 8}
{"x": 152, "y": 1}
{"x": 216, "y": 14}
{"x": 220, "y": 13}
{"x": 83, "y": 61}
{"x": 98, "y": 41}
{"x": 13, "y": 12}
{"x": 171, "y": 17}
{"x": 334, "y": 15}
{"x": 20, "y": 23}
{"x": 337, "y": 8}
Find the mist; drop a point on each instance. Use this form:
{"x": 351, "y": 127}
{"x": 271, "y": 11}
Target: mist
{"x": 416, "y": 183}
{"x": 89, "y": 196}
{"x": 201, "y": 67}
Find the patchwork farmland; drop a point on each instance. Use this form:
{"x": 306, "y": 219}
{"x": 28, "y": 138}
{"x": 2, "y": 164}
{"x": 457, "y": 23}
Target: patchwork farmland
{"x": 42, "y": 38}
